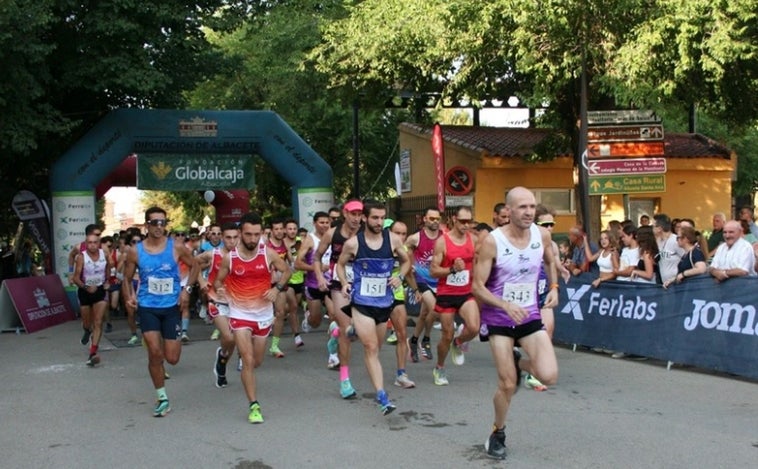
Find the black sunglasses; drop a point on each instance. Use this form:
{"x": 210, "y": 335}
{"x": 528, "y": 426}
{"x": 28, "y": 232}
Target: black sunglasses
{"x": 546, "y": 224}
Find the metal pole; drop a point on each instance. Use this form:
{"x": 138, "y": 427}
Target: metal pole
{"x": 584, "y": 187}
{"x": 356, "y": 156}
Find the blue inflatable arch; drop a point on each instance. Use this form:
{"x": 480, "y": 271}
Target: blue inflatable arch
{"x": 74, "y": 177}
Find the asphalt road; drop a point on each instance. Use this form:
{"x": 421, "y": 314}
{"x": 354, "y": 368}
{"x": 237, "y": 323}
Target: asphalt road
{"x": 604, "y": 413}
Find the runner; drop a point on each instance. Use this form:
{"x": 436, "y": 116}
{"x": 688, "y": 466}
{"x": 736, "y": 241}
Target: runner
{"x": 304, "y": 263}
{"x": 294, "y": 293}
{"x": 399, "y": 315}
{"x": 245, "y": 278}
{"x": 277, "y": 244}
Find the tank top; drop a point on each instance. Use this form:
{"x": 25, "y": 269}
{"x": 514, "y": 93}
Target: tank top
{"x": 514, "y": 278}
{"x": 605, "y": 262}
{"x": 310, "y": 276}
{"x": 93, "y": 272}
{"x": 372, "y": 269}
{"x": 246, "y": 284}
{"x": 298, "y": 276}
{"x": 458, "y": 283}
{"x": 281, "y": 251}
{"x": 338, "y": 241}
{"x": 422, "y": 259}
{"x": 217, "y": 257}
{"x": 159, "y": 277}
{"x": 629, "y": 257}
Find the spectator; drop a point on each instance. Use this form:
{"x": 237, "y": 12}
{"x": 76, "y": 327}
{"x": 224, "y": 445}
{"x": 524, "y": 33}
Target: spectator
{"x": 647, "y": 270}
{"x": 749, "y": 236}
{"x": 669, "y": 251}
{"x": 644, "y": 220}
{"x": 734, "y": 257}
{"x": 746, "y": 214}
{"x": 579, "y": 262}
{"x": 702, "y": 243}
{"x": 630, "y": 254}
{"x": 606, "y": 258}
{"x": 499, "y": 215}
{"x": 693, "y": 261}
{"x": 717, "y": 235}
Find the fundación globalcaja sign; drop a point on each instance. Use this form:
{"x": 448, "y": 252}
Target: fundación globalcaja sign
{"x": 172, "y": 172}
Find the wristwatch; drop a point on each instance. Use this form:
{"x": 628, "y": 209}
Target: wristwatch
{"x": 280, "y": 287}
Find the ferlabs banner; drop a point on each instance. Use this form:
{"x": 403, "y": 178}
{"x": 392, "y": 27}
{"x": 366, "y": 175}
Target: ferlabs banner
{"x": 699, "y": 322}
{"x": 172, "y": 172}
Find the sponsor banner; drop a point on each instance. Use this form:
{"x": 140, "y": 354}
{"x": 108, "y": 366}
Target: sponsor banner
{"x": 175, "y": 172}
{"x": 311, "y": 200}
{"x": 39, "y": 302}
{"x": 698, "y": 322}
{"x": 33, "y": 212}
{"x": 438, "y": 153}
{"x": 71, "y": 213}
{"x": 405, "y": 170}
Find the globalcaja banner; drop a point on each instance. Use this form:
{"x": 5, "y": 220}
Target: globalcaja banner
{"x": 172, "y": 172}
{"x": 699, "y": 322}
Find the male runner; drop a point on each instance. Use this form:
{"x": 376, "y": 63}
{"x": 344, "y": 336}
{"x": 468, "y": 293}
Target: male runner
{"x": 277, "y": 244}
{"x": 294, "y": 293}
{"x": 245, "y": 278}
{"x": 157, "y": 300}
{"x": 399, "y": 315}
{"x": 304, "y": 263}
{"x": 453, "y": 264}
{"x": 372, "y": 252}
{"x": 421, "y": 244}
{"x": 505, "y": 282}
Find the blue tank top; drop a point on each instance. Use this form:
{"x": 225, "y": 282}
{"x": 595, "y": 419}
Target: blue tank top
{"x": 159, "y": 277}
{"x": 372, "y": 270}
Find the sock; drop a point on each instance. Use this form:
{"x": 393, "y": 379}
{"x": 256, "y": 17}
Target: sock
{"x": 274, "y": 342}
{"x": 93, "y": 350}
{"x": 185, "y": 324}
{"x": 252, "y": 403}
{"x": 332, "y": 345}
{"x": 161, "y": 392}
{"x": 344, "y": 372}
{"x": 400, "y": 371}
{"x": 498, "y": 430}
{"x": 426, "y": 339}
{"x": 336, "y": 332}
{"x": 381, "y": 395}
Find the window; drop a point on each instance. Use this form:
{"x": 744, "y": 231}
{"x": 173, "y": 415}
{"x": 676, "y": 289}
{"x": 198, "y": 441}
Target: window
{"x": 560, "y": 200}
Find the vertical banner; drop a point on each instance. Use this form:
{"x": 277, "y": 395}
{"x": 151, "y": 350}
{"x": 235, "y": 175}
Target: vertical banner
{"x": 311, "y": 200}
{"x": 405, "y": 170}
{"x": 438, "y": 151}
{"x": 72, "y": 212}
{"x": 33, "y": 213}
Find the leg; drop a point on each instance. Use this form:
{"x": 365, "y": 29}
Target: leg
{"x": 279, "y": 309}
{"x": 154, "y": 357}
{"x": 399, "y": 318}
{"x": 541, "y": 362}
{"x": 86, "y": 313}
{"x": 548, "y": 319}
{"x": 370, "y": 335}
{"x": 446, "y": 338}
{"x": 502, "y": 354}
{"x": 470, "y": 313}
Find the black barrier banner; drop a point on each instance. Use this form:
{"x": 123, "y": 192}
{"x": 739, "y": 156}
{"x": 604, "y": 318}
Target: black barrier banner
{"x": 699, "y": 322}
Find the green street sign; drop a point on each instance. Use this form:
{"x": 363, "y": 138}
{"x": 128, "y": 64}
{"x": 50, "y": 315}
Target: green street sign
{"x": 627, "y": 184}
{"x": 172, "y": 172}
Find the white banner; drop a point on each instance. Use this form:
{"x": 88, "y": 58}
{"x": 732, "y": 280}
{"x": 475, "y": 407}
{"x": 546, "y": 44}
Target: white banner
{"x": 71, "y": 213}
{"x": 311, "y": 200}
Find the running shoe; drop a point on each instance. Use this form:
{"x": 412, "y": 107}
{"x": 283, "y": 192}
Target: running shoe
{"x": 333, "y": 362}
{"x": 385, "y": 405}
{"x": 426, "y": 350}
{"x": 304, "y": 325}
{"x": 440, "y": 377}
{"x": 203, "y": 313}
{"x": 392, "y": 339}
{"x": 346, "y": 389}
{"x": 86, "y": 336}
{"x": 533, "y": 383}
{"x": 274, "y": 351}
{"x": 93, "y": 360}
{"x": 239, "y": 363}
{"x": 219, "y": 370}
{"x": 108, "y": 328}
{"x": 402, "y": 381}
{"x": 299, "y": 341}
{"x": 215, "y": 334}
{"x": 134, "y": 340}
{"x": 495, "y": 445}
{"x": 166, "y": 375}
{"x": 457, "y": 354}
{"x": 161, "y": 408}
{"x": 413, "y": 350}
{"x": 185, "y": 337}
{"x": 255, "y": 415}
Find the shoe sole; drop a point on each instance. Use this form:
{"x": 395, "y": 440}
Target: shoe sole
{"x": 487, "y": 452}
{"x": 405, "y": 386}
{"x": 162, "y": 414}
{"x": 388, "y": 410}
{"x": 93, "y": 361}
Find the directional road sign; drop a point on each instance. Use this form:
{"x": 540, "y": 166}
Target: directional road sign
{"x": 600, "y": 185}
{"x": 625, "y": 133}
{"x": 606, "y": 150}
{"x": 633, "y": 116}
{"x": 626, "y": 166}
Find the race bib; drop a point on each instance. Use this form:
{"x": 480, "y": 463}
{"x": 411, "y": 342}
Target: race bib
{"x": 348, "y": 273}
{"x": 266, "y": 323}
{"x": 93, "y": 282}
{"x": 160, "y": 286}
{"x": 459, "y": 279}
{"x": 373, "y": 287}
{"x": 521, "y": 294}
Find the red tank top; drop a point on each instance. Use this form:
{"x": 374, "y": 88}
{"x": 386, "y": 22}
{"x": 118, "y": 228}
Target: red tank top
{"x": 460, "y": 282}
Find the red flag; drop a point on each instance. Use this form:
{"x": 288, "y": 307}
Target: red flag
{"x": 438, "y": 150}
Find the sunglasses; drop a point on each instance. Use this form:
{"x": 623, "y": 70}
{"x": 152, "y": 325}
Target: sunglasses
{"x": 215, "y": 233}
{"x": 433, "y": 218}
{"x": 157, "y": 222}
{"x": 465, "y": 221}
{"x": 546, "y": 224}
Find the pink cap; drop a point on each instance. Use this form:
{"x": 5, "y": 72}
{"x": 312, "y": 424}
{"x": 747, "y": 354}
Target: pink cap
{"x": 354, "y": 206}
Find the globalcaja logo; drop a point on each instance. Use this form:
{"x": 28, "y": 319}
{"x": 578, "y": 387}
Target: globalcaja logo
{"x": 161, "y": 170}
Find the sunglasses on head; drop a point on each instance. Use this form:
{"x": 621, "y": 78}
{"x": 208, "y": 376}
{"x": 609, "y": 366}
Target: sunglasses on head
{"x": 157, "y": 222}
{"x": 546, "y": 224}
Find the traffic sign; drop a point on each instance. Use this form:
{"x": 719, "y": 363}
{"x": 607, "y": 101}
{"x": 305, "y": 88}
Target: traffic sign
{"x": 626, "y": 166}
{"x": 628, "y": 116}
{"x": 459, "y": 201}
{"x": 626, "y": 133}
{"x": 458, "y": 180}
{"x": 600, "y": 185}
{"x": 605, "y": 150}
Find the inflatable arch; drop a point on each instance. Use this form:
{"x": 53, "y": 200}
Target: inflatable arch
{"x": 74, "y": 178}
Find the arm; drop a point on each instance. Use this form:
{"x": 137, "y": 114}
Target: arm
{"x": 305, "y": 247}
{"x": 438, "y": 256}
{"x": 204, "y": 260}
{"x": 282, "y": 266}
{"x": 76, "y": 277}
{"x": 588, "y": 254}
{"x": 223, "y": 271}
{"x": 183, "y": 253}
{"x": 349, "y": 249}
{"x": 325, "y": 242}
{"x": 127, "y": 289}
{"x": 551, "y": 269}
{"x": 562, "y": 270}
{"x": 649, "y": 271}
{"x": 405, "y": 262}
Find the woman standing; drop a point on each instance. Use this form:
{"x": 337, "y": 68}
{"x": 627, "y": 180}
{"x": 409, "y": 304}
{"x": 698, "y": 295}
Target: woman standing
{"x": 630, "y": 254}
{"x": 647, "y": 267}
{"x": 607, "y": 258}
{"x": 693, "y": 262}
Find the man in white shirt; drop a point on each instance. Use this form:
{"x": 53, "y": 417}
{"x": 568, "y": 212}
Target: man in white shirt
{"x": 735, "y": 257}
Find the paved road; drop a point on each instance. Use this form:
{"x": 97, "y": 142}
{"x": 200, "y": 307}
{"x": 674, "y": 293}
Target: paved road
{"x": 56, "y": 412}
